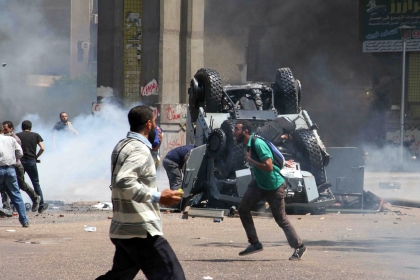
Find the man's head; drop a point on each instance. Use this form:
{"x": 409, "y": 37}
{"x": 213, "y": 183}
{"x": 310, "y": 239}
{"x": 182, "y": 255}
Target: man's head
{"x": 242, "y": 130}
{"x": 7, "y": 128}
{"x": 63, "y": 117}
{"x": 26, "y": 125}
{"x": 141, "y": 120}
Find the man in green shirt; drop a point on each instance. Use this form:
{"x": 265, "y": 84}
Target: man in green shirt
{"x": 267, "y": 184}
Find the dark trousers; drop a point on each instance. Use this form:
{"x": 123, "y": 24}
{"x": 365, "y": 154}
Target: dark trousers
{"x": 29, "y": 165}
{"x": 153, "y": 255}
{"x": 20, "y": 174}
{"x": 275, "y": 199}
{"x": 174, "y": 174}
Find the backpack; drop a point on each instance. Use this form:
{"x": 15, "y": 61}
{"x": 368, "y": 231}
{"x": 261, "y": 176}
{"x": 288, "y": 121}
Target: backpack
{"x": 278, "y": 158}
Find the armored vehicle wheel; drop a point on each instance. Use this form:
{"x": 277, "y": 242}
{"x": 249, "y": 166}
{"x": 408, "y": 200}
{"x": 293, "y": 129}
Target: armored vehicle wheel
{"x": 205, "y": 91}
{"x": 216, "y": 143}
{"x": 193, "y": 105}
{"x": 311, "y": 154}
{"x": 285, "y": 92}
{"x": 233, "y": 158}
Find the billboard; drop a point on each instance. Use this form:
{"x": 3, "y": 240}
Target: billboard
{"x": 380, "y": 20}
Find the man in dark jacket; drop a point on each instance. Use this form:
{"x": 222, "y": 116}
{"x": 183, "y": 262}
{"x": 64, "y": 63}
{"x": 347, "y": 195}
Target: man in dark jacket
{"x": 173, "y": 163}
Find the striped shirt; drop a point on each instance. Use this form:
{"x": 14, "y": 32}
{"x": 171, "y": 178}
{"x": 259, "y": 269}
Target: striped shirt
{"x": 134, "y": 190}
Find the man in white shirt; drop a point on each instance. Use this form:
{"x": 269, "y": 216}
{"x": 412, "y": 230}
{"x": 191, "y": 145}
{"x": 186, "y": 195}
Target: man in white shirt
{"x": 10, "y": 150}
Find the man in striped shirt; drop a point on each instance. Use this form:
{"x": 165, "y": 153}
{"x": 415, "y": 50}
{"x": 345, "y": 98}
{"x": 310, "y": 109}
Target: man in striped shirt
{"x": 136, "y": 226}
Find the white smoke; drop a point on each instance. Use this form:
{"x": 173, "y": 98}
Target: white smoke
{"x": 79, "y": 167}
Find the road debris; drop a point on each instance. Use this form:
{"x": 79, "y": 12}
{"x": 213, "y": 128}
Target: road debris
{"x": 89, "y": 229}
{"x": 11, "y": 230}
{"x": 102, "y": 206}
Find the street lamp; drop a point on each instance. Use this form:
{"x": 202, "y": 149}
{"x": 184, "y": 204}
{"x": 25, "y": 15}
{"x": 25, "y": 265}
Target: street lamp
{"x": 405, "y": 32}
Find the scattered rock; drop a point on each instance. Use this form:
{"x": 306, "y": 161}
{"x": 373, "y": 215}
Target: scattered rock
{"x": 322, "y": 218}
{"x": 61, "y": 215}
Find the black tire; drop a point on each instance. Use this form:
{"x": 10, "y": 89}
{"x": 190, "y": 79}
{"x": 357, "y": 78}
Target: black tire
{"x": 212, "y": 83}
{"x": 234, "y": 157}
{"x": 285, "y": 92}
{"x": 311, "y": 157}
{"x": 192, "y": 106}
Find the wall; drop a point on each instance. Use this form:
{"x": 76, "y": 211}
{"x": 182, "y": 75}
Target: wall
{"x": 173, "y": 121}
{"x": 80, "y": 27}
{"x": 111, "y": 46}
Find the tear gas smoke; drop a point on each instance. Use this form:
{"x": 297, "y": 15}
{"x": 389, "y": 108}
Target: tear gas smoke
{"x": 80, "y": 166}
{"x": 35, "y": 42}
{"x": 383, "y": 165}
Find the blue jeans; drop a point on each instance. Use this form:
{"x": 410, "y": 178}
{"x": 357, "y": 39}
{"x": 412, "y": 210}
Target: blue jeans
{"x": 30, "y": 167}
{"x": 8, "y": 179}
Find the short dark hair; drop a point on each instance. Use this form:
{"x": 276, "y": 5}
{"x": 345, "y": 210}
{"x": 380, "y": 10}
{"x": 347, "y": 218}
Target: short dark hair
{"x": 9, "y": 124}
{"x": 26, "y": 125}
{"x": 138, "y": 117}
{"x": 62, "y": 113}
{"x": 245, "y": 125}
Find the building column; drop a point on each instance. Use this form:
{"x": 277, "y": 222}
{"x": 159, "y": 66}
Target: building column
{"x": 169, "y": 54}
{"x": 194, "y": 57}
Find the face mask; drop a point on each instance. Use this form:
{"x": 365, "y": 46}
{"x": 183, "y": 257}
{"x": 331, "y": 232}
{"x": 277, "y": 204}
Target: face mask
{"x": 7, "y": 134}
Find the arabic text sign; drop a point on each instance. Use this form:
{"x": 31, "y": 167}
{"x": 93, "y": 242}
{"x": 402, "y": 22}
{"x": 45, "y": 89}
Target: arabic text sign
{"x": 381, "y": 19}
{"x": 390, "y": 46}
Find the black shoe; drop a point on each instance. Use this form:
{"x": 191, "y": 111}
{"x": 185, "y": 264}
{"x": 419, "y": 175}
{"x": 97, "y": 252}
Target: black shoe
{"x": 298, "y": 254}
{"x": 25, "y": 225}
{"x": 252, "y": 248}
{"x": 6, "y": 212}
{"x": 35, "y": 204}
{"x": 43, "y": 208}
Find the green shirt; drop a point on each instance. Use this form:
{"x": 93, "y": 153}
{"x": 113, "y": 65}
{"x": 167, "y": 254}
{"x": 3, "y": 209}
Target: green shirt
{"x": 267, "y": 180}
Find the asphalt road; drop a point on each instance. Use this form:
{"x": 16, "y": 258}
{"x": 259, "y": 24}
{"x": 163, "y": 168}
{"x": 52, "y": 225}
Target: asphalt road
{"x": 340, "y": 246}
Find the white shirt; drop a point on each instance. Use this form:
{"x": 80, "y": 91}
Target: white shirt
{"x": 10, "y": 151}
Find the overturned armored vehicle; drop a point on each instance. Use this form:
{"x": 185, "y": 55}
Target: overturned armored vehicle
{"x": 216, "y": 173}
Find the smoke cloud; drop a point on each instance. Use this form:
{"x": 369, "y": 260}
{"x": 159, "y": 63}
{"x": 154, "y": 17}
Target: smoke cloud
{"x": 35, "y": 40}
{"x": 318, "y": 41}
{"x": 79, "y": 167}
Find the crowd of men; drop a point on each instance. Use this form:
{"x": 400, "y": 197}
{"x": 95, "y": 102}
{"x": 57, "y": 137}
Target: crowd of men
{"x": 19, "y": 154}
{"x": 136, "y": 225}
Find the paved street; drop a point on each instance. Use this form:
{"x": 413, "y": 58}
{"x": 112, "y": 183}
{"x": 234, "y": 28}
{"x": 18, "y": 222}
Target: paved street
{"x": 340, "y": 246}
